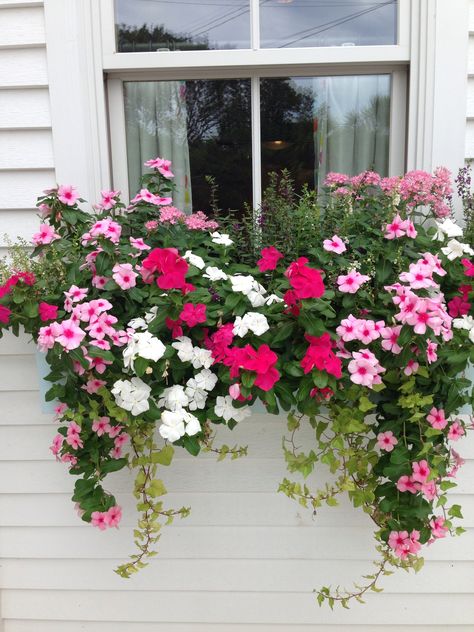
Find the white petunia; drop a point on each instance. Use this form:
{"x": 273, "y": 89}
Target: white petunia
{"x": 222, "y": 239}
{"x": 466, "y": 322}
{"x": 194, "y": 260}
{"x": 151, "y": 314}
{"x": 206, "y": 379}
{"x": 256, "y": 299}
{"x": 192, "y": 424}
{"x": 242, "y": 283}
{"x": 215, "y": 274}
{"x": 144, "y": 345}
{"x": 456, "y": 249}
{"x": 225, "y": 409}
{"x": 252, "y": 321}
{"x": 202, "y": 358}
{"x": 173, "y": 398}
{"x": 138, "y": 323}
{"x": 197, "y": 396}
{"x": 448, "y": 229}
{"x": 185, "y": 348}
{"x": 273, "y": 298}
{"x": 132, "y": 395}
{"x": 172, "y": 425}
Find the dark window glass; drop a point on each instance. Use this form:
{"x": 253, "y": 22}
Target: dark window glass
{"x": 313, "y": 125}
{"x": 203, "y": 127}
{"x": 151, "y": 25}
{"x": 301, "y": 23}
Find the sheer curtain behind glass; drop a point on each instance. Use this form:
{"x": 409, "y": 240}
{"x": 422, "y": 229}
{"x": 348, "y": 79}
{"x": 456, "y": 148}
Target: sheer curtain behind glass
{"x": 156, "y": 125}
{"x": 351, "y": 124}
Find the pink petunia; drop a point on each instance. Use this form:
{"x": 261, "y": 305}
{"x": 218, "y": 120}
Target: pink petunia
{"x": 270, "y": 258}
{"x": 101, "y": 426}
{"x": 335, "y": 244}
{"x": 456, "y": 431}
{"x": 386, "y": 441}
{"x": 351, "y": 282}
{"x": 69, "y": 335}
{"x": 113, "y": 516}
{"x": 45, "y": 235}
{"x": 437, "y": 418}
{"x": 124, "y": 275}
{"x": 67, "y": 194}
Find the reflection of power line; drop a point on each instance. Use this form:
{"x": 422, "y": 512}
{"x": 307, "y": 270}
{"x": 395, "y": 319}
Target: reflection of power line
{"x": 213, "y": 26}
{"x": 329, "y": 25}
{"x": 201, "y": 21}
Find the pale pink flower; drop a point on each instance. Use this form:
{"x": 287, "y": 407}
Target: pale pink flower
{"x": 93, "y": 385}
{"x": 234, "y": 391}
{"x": 120, "y": 440}
{"x": 101, "y": 426}
{"x": 421, "y": 471}
{"x": 419, "y": 277}
{"x": 438, "y": 530}
{"x": 67, "y": 194}
{"x": 124, "y": 275}
{"x": 47, "y": 336}
{"x": 113, "y": 516}
{"x": 69, "y": 458}
{"x": 139, "y": 244}
{"x": 351, "y": 282}
{"x": 336, "y": 179}
{"x": 411, "y": 367}
{"x": 363, "y": 372}
{"x": 409, "y": 228}
{"x": 100, "y": 281}
{"x": 57, "y": 444}
{"x": 152, "y": 225}
{"x": 347, "y": 330}
{"x": 108, "y": 200}
{"x": 429, "y": 490}
{"x": 99, "y": 519}
{"x": 60, "y": 409}
{"x": 115, "y": 431}
{"x": 72, "y": 436}
{"x": 390, "y": 337}
{"x": 76, "y": 294}
{"x": 386, "y": 441}
{"x": 395, "y": 229}
{"x": 437, "y": 418}
{"x": 335, "y": 244}
{"x": 368, "y": 331}
{"x": 431, "y": 355}
{"x": 171, "y": 214}
{"x": 45, "y": 235}
{"x": 456, "y": 431}
{"x": 70, "y": 335}
{"x": 406, "y": 484}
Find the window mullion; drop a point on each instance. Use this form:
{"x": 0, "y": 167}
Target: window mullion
{"x": 254, "y": 24}
{"x": 256, "y": 143}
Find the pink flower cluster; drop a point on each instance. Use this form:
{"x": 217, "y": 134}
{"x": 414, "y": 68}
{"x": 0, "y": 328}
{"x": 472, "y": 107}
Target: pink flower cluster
{"x": 106, "y": 519}
{"x": 365, "y": 331}
{"x": 400, "y": 228}
{"x": 144, "y": 195}
{"x": 365, "y": 369}
{"x": 161, "y": 165}
{"x": 421, "y": 188}
{"x": 106, "y": 228}
{"x": 404, "y": 544}
{"x": 418, "y": 481}
{"x": 351, "y": 282}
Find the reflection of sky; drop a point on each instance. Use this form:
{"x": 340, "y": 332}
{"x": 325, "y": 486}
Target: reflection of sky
{"x": 284, "y": 23}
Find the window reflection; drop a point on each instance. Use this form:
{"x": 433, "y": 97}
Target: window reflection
{"x": 313, "y": 125}
{"x": 302, "y": 23}
{"x": 151, "y": 25}
{"x": 203, "y": 127}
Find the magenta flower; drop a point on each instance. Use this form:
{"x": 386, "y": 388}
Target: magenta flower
{"x": 47, "y": 311}
{"x": 270, "y": 258}
{"x": 124, "y": 275}
{"x": 67, "y": 194}
{"x": 386, "y": 441}
{"x": 335, "y": 244}
{"x": 45, "y": 235}
{"x": 192, "y": 314}
{"x": 351, "y": 282}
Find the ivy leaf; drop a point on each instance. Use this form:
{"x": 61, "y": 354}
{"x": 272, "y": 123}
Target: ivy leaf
{"x": 164, "y": 456}
{"x": 156, "y": 488}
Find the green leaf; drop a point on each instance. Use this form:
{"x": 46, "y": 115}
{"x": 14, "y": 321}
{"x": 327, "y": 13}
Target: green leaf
{"x": 113, "y": 465}
{"x": 192, "y": 445}
{"x": 455, "y": 511}
{"x": 164, "y": 456}
{"x": 156, "y": 488}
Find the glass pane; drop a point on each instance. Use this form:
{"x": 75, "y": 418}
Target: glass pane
{"x": 301, "y": 23}
{"x": 203, "y": 127}
{"x": 313, "y": 125}
{"x": 151, "y": 25}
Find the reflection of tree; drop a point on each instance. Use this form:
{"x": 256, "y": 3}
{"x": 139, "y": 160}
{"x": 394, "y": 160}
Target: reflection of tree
{"x": 152, "y": 37}
{"x": 375, "y": 117}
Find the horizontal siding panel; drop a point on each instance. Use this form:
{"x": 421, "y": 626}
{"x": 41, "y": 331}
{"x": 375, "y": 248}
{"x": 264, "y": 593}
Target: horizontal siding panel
{"x": 22, "y": 407}
{"x": 17, "y": 224}
{"x": 22, "y": 26}
{"x": 342, "y": 543}
{"x": 11, "y": 344}
{"x": 193, "y": 475}
{"x": 237, "y": 607}
{"x": 22, "y": 68}
{"x": 18, "y": 372}
{"x": 226, "y": 576}
{"x": 20, "y": 190}
{"x": 128, "y": 626}
{"x": 25, "y": 108}
{"x": 26, "y": 149}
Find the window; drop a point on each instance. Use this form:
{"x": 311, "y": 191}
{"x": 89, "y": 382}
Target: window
{"x": 236, "y": 89}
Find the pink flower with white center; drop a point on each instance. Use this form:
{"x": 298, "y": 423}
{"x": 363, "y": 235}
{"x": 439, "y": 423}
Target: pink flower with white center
{"x": 386, "y": 441}
{"x": 76, "y": 294}
{"x": 347, "y": 330}
{"x": 395, "y": 229}
{"x": 57, "y": 444}
{"x": 124, "y": 275}
{"x": 101, "y": 426}
{"x": 115, "y": 431}
{"x": 431, "y": 355}
{"x": 429, "y": 490}
{"x": 335, "y": 244}
{"x": 351, "y": 282}
{"x": 390, "y": 337}
{"x": 437, "y": 418}
{"x": 70, "y": 335}
{"x": 113, "y": 516}
{"x": 419, "y": 277}
{"x": 67, "y": 194}
{"x": 108, "y": 200}
{"x": 139, "y": 244}
{"x": 93, "y": 386}
{"x": 406, "y": 484}
{"x": 421, "y": 471}
{"x": 100, "y": 281}
{"x": 456, "y": 431}
{"x": 367, "y": 331}
{"x": 60, "y": 409}
{"x": 99, "y": 519}
{"x": 45, "y": 235}
{"x": 438, "y": 530}
{"x": 411, "y": 367}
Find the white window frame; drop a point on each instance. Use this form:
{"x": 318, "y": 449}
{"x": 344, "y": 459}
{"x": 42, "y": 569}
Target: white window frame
{"x": 88, "y": 123}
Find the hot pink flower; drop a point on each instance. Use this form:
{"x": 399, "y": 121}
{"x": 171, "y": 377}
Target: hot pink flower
{"x": 70, "y": 335}
{"x": 99, "y": 519}
{"x": 193, "y": 314}
{"x": 351, "y": 282}
{"x": 124, "y": 275}
{"x": 5, "y": 314}
{"x": 171, "y": 267}
{"x": 335, "y": 244}
{"x": 319, "y": 355}
{"x": 305, "y": 281}
{"x": 270, "y": 258}
{"x": 456, "y": 431}
{"x": 386, "y": 441}
{"x": 67, "y": 194}
{"x": 45, "y": 235}
{"x": 437, "y": 418}
{"x": 421, "y": 471}
{"x": 261, "y": 360}
{"x": 101, "y": 426}
{"x": 396, "y": 229}
{"x": 47, "y": 311}
{"x": 113, "y": 516}
{"x": 458, "y": 307}
{"x": 469, "y": 265}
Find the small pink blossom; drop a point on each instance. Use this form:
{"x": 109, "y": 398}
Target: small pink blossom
{"x": 99, "y": 519}
{"x": 45, "y": 235}
{"x": 396, "y": 229}
{"x": 70, "y": 335}
{"x": 431, "y": 355}
{"x": 108, "y": 200}
{"x": 76, "y": 294}
{"x": 390, "y": 337}
{"x": 411, "y": 367}
{"x": 421, "y": 471}
{"x": 437, "y": 418}
{"x": 100, "y": 281}
{"x": 406, "y": 484}
{"x": 438, "y": 529}
{"x": 93, "y": 386}
{"x": 351, "y": 282}
{"x": 386, "y": 441}
{"x": 139, "y": 244}
{"x": 335, "y": 244}
{"x": 57, "y": 444}
{"x": 114, "y": 431}
{"x": 67, "y": 194}
{"x": 124, "y": 275}
{"x": 234, "y": 391}
{"x": 60, "y": 409}
{"x": 113, "y": 516}
{"x": 347, "y": 330}
{"x": 101, "y": 426}
{"x": 429, "y": 490}
{"x": 456, "y": 431}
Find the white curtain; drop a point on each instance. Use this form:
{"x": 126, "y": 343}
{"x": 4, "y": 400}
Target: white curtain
{"x": 156, "y": 125}
{"x": 351, "y": 124}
